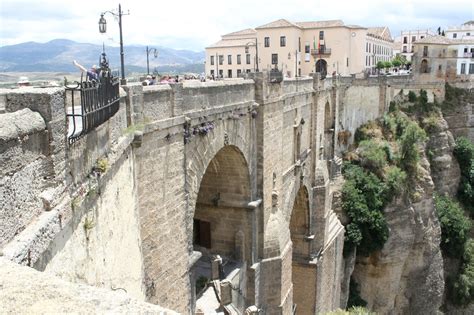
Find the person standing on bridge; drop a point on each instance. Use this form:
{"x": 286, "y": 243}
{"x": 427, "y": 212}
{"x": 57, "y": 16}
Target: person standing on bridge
{"x": 92, "y": 73}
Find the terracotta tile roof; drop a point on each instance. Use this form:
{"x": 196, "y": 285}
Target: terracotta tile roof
{"x": 320, "y": 24}
{"x": 278, "y": 23}
{"x": 248, "y": 31}
{"x": 380, "y": 32}
{"x": 238, "y": 42}
{"x": 434, "y": 39}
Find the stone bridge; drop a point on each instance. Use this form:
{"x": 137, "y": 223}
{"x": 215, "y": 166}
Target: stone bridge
{"x": 244, "y": 169}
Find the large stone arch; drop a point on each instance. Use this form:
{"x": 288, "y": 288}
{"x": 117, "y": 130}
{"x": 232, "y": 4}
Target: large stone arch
{"x": 202, "y": 150}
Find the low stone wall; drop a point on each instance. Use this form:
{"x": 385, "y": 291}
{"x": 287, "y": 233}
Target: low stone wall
{"x": 27, "y": 291}
{"x": 24, "y": 170}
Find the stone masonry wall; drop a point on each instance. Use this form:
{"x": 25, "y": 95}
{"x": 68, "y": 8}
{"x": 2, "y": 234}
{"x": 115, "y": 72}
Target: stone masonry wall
{"x": 23, "y": 167}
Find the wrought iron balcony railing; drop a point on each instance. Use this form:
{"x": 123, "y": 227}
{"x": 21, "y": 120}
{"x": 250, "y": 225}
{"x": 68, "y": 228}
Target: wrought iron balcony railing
{"x": 322, "y": 51}
{"x": 91, "y": 104}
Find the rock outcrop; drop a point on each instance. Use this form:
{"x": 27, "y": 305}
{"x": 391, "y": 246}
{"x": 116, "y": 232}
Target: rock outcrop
{"x": 445, "y": 170}
{"x": 406, "y": 277}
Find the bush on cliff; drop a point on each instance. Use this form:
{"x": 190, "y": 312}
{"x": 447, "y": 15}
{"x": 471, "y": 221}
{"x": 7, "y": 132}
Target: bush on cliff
{"x": 454, "y": 226}
{"x": 411, "y": 137}
{"x": 363, "y": 199}
{"x": 464, "y": 153}
{"x": 463, "y": 289}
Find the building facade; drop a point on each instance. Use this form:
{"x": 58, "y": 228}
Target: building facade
{"x": 300, "y": 48}
{"x": 438, "y": 57}
{"x": 406, "y": 41}
{"x": 463, "y": 31}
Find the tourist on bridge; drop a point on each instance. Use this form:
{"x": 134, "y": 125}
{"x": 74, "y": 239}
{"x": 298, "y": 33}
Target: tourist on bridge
{"x": 92, "y": 73}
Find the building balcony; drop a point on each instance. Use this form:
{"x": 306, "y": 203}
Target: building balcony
{"x": 321, "y": 52}
{"x": 468, "y": 55}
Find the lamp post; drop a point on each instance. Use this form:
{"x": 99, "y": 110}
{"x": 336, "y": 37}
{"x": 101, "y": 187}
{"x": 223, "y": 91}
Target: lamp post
{"x": 155, "y": 53}
{"x": 103, "y": 29}
{"x": 256, "y": 51}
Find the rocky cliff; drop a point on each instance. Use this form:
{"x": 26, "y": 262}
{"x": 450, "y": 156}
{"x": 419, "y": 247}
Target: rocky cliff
{"x": 407, "y": 275}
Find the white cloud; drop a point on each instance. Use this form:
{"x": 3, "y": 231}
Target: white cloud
{"x": 194, "y": 24}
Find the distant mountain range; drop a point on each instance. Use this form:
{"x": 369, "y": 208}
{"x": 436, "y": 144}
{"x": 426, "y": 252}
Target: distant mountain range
{"x": 57, "y": 55}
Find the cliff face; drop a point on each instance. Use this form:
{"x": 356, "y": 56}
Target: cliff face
{"x": 406, "y": 276}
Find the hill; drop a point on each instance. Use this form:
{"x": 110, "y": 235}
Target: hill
{"x": 57, "y": 56}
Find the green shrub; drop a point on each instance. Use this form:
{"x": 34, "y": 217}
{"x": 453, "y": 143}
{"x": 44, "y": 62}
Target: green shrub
{"x": 367, "y": 131}
{"x": 464, "y": 153}
{"x": 463, "y": 288}
{"x": 431, "y": 123}
{"x": 423, "y": 99}
{"x": 454, "y": 226}
{"x": 363, "y": 199}
{"x": 396, "y": 181}
{"x": 372, "y": 155}
{"x": 412, "y": 96}
{"x": 409, "y": 155}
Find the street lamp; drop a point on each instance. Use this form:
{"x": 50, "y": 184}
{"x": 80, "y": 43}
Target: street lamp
{"x": 103, "y": 29}
{"x": 256, "y": 50}
{"x": 155, "y": 53}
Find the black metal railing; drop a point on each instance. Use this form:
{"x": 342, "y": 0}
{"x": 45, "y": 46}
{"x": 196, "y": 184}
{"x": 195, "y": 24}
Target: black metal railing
{"x": 99, "y": 100}
{"x": 322, "y": 51}
{"x": 91, "y": 103}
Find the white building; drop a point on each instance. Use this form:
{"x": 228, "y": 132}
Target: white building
{"x": 465, "y": 31}
{"x": 465, "y": 54}
{"x": 407, "y": 39}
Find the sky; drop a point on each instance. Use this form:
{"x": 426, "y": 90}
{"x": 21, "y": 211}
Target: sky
{"x": 195, "y": 24}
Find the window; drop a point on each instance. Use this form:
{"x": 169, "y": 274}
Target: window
{"x": 405, "y": 40}
{"x": 239, "y": 73}
{"x": 468, "y": 34}
{"x": 221, "y": 60}
{"x": 267, "y": 41}
{"x": 463, "y": 68}
{"x": 229, "y": 73}
{"x": 465, "y": 50}
{"x": 306, "y": 48}
{"x": 221, "y": 73}
{"x": 212, "y": 73}
{"x": 471, "y": 68}
{"x": 347, "y": 62}
{"x": 404, "y": 49}
{"x": 455, "y": 35}
{"x": 229, "y": 59}
{"x": 370, "y": 47}
{"x": 212, "y": 60}
{"x": 321, "y": 35}
{"x": 239, "y": 61}
{"x": 366, "y": 47}
{"x": 247, "y": 59}
{"x": 274, "y": 59}
{"x": 425, "y": 51}
{"x": 440, "y": 67}
{"x": 282, "y": 41}
{"x": 413, "y": 39}
{"x": 299, "y": 44}
{"x": 248, "y": 71}
{"x": 422, "y": 36}
{"x": 412, "y": 48}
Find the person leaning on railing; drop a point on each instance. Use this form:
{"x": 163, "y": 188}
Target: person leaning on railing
{"x": 92, "y": 73}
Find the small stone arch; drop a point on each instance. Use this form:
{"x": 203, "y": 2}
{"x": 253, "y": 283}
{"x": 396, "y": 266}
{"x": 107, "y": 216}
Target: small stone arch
{"x": 322, "y": 67}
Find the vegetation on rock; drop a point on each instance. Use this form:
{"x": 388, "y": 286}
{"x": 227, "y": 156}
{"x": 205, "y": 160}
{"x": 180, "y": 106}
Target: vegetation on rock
{"x": 454, "y": 226}
{"x": 463, "y": 288}
{"x": 464, "y": 153}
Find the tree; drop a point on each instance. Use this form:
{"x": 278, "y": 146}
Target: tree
{"x": 396, "y": 63}
{"x": 387, "y": 65}
{"x": 380, "y": 65}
